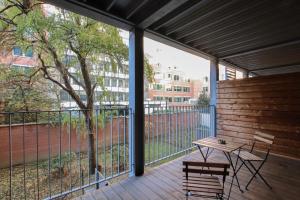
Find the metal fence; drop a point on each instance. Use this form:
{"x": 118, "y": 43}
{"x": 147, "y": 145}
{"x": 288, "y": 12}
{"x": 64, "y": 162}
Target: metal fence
{"x": 170, "y": 130}
{"x": 44, "y": 155}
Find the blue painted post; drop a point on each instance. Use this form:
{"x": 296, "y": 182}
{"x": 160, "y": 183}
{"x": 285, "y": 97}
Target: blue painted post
{"x": 214, "y": 78}
{"x": 136, "y": 101}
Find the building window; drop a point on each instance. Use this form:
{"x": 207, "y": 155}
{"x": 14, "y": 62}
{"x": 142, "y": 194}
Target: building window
{"x": 29, "y": 52}
{"x": 206, "y": 79}
{"x": 114, "y": 82}
{"x": 107, "y": 82}
{"x": 177, "y": 88}
{"x": 185, "y": 99}
{"x": 169, "y": 89}
{"x": 169, "y": 75}
{"x": 177, "y": 99}
{"x": 158, "y": 98}
{"x": 120, "y": 83}
{"x": 186, "y": 89}
{"x": 17, "y": 51}
{"x": 176, "y": 78}
{"x": 157, "y": 86}
{"x": 64, "y": 96}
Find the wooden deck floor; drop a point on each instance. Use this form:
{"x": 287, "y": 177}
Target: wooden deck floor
{"x": 164, "y": 182}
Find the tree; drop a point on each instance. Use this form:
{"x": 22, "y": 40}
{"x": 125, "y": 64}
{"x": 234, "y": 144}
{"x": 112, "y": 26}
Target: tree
{"x": 203, "y": 99}
{"x": 68, "y": 47}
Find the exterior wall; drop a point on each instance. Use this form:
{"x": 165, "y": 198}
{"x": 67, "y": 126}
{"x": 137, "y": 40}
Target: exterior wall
{"x": 39, "y": 137}
{"x": 7, "y": 58}
{"x": 269, "y": 104}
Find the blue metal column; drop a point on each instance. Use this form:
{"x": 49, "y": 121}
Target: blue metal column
{"x": 214, "y": 78}
{"x": 136, "y": 101}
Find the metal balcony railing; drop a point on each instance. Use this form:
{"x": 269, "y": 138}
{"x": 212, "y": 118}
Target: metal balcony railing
{"x": 170, "y": 130}
{"x": 44, "y": 154}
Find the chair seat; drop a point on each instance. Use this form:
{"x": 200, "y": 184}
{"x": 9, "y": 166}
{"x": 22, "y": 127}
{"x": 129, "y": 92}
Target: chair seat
{"x": 202, "y": 186}
{"x": 246, "y": 155}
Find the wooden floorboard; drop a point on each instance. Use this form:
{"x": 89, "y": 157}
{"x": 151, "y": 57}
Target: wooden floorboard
{"x": 165, "y": 182}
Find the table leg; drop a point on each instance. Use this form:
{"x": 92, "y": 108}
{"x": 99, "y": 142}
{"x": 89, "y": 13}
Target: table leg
{"x": 202, "y": 153}
{"x": 228, "y": 156}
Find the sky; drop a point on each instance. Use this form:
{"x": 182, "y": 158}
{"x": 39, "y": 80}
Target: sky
{"x": 193, "y": 66}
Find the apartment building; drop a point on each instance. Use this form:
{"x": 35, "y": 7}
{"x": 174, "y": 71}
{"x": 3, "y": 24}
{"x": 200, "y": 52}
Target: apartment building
{"x": 115, "y": 90}
{"x": 173, "y": 86}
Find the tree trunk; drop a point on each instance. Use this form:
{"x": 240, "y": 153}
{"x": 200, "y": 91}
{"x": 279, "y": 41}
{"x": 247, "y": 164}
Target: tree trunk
{"x": 91, "y": 139}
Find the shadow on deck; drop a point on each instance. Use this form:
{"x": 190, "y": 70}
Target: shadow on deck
{"x": 165, "y": 182}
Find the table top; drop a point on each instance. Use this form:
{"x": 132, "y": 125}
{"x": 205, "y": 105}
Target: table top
{"x": 212, "y": 142}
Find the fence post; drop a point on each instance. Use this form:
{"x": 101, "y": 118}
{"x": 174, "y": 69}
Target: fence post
{"x": 136, "y": 101}
{"x": 214, "y": 78}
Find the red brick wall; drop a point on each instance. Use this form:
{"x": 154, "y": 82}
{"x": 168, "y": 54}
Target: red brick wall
{"x": 38, "y": 137}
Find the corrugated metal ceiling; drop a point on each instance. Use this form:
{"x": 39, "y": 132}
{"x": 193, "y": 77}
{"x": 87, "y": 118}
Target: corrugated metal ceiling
{"x": 256, "y": 35}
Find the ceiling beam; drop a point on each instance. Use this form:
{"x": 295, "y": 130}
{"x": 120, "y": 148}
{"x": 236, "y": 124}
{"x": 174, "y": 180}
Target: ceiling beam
{"x": 173, "y": 43}
{"x": 260, "y": 49}
{"x": 90, "y": 11}
{"x": 198, "y": 16}
{"x": 136, "y": 8}
{"x": 110, "y": 5}
{"x": 275, "y": 67}
{"x": 198, "y": 29}
{"x": 230, "y": 64}
{"x": 161, "y": 12}
{"x": 177, "y": 13}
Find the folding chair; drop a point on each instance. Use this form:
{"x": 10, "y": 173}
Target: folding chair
{"x": 248, "y": 157}
{"x": 200, "y": 182}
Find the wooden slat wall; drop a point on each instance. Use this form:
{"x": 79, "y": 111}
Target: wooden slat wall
{"x": 270, "y": 104}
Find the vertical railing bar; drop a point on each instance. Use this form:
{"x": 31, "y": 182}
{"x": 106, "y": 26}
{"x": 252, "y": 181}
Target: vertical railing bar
{"x": 181, "y": 127}
{"x": 49, "y": 154}
{"x": 81, "y": 175}
{"x": 87, "y": 124}
{"x": 202, "y": 127}
{"x": 111, "y": 142}
{"x": 169, "y": 130}
{"x": 165, "y": 130}
{"x": 97, "y": 153}
{"x": 148, "y": 133}
{"x": 24, "y": 154}
{"x": 124, "y": 138}
{"x": 176, "y": 142}
{"x": 188, "y": 127}
{"x": 161, "y": 123}
{"x": 60, "y": 130}
{"x": 10, "y": 156}
{"x": 104, "y": 141}
{"x": 157, "y": 148}
{"x": 118, "y": 117}
{"x": 153, "y": 135}
{"x": 70, "y": 146}
{"x": 37, "y": 156}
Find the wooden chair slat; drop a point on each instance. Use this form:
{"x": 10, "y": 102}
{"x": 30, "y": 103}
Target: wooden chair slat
{"x": 265, "y": 135}
{"x": 203, "y": 171}
{"x": 263, "y": 139}
{"x": 206, "y": 164}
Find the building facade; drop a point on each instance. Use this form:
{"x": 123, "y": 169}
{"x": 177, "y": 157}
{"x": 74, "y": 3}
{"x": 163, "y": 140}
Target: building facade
{"x": 173, "y": 86}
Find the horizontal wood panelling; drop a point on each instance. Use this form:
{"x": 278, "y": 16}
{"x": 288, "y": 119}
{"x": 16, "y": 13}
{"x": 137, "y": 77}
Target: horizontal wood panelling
{"x": 270, "y": 104}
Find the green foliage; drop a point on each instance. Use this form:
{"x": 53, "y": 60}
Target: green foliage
{"x": 203, "y": 99}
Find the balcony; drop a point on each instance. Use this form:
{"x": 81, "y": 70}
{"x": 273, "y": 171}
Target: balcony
{"x": 261, "y": 38}
{"x": 165, "y": 182}
{"x": 45, "y": 155}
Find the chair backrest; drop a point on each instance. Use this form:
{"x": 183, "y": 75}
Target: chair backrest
{"x": 194, "y": 170}
{"x": 197, "y": 167}
{"x": 263, "y": 137}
